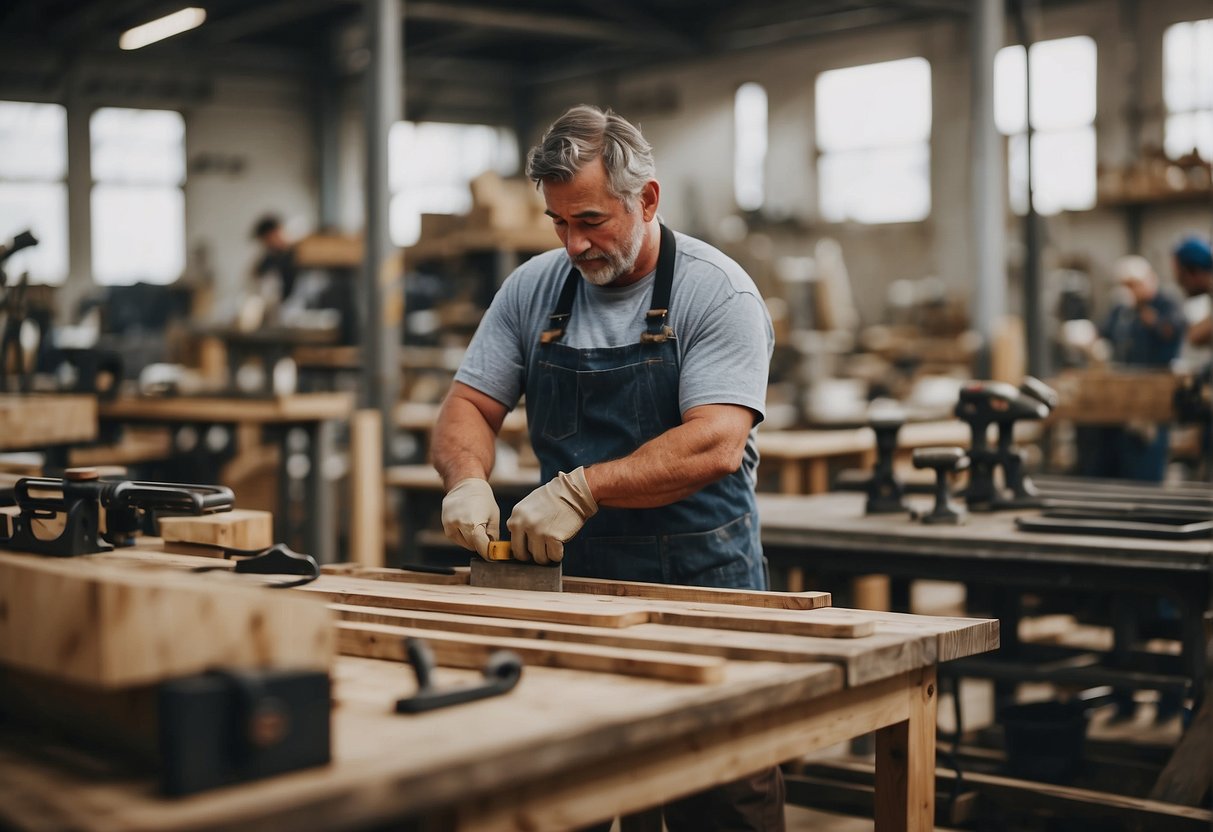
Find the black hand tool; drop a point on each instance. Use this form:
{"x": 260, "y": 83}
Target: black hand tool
{"x": 501, "y": 674}
{"x": 885, "y": 492}
{"x": 943, "y": 461}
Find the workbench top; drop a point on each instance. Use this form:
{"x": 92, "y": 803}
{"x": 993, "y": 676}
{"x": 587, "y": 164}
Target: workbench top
{"x": 837, "y": 522}
{"x": 569, "y": 744}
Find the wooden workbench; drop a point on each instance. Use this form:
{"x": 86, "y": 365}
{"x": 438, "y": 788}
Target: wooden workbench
{"x": 567, "y": 746}
{"x": 314, "y": 413}
{"x": 35, "y": 421}
{"x": 829, "y": 533}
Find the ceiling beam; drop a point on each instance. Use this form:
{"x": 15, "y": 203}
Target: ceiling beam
{"x": 655, "y": 30}
{"x": 260, "y": 17}
{"x": 532, "y": 23}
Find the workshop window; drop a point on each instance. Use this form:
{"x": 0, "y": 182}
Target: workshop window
{"x": 749, "y": 146}
{"x": 138, "y": 201}
{"x": 1063, "y": 123}
{"x": 431, "y": 164}
{"x": 33, "y": 188}
{"x": 873, "y": 135}
{"x": 1187, "y": 53}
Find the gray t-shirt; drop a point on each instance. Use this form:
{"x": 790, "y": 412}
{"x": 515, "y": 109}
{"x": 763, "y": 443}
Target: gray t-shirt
{"x": 723, "y": 331}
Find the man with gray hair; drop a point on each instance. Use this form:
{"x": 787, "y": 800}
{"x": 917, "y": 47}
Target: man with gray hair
{"x": 642, "y": 354}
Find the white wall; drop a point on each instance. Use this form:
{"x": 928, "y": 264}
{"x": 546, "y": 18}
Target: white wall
{"x": 266, "y": 126}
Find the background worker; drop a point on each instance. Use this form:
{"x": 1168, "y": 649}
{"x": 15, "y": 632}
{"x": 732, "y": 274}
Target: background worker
{"x": 1193, "y": 263}
{"x": 643, "y": 356}
{"x": 277, "y": 259}
{"x": 1145, "y": 330}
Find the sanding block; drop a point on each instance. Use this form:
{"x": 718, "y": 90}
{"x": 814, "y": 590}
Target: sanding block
{"x": 502, "y": 571}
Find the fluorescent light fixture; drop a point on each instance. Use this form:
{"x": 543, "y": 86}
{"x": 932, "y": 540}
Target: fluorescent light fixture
{"x": 161, "y": 28}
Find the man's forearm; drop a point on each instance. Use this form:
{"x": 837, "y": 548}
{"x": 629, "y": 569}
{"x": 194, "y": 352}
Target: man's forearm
{"x": 462, "y": 444}
{"x": 667, "y": 468}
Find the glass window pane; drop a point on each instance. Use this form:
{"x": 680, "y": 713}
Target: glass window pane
{"x": 1063, "y": 171}
{"x": 138, "y": 234}
{"x": 33, "y": 141}
{"x": 749, "y": 145}
{"x": 1063, "y": 83}
{"x": 876, "y": 186}
{"x": 450, "y": 154}
{"x": 137, "y": 146}
{"x": 1010, "y": 86}
{"x": 1187, "y": 50}
{"x": 42, "y": 208}
{"x": 874, "y": 105}
{"x": 1186, "y": 131}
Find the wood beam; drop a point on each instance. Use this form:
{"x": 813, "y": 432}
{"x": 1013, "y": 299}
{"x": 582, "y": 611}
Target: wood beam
{"x": 531, "y": 23}
{"x": 258, "y": 18}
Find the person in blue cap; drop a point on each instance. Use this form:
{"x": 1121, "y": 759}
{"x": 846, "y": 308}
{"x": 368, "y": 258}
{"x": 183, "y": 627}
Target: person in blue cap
{"x": 1193, "y": 260}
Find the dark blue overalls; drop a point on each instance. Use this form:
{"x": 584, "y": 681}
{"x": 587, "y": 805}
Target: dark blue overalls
{"x": 591, "y": 405}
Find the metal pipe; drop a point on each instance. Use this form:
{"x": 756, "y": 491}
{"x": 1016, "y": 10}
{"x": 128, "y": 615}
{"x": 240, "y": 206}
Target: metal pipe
{"x": 989, "y": 299}
{"x": 381, "y": 274}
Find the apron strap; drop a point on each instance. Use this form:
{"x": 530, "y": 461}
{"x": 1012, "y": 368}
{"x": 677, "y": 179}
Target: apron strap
{"x": 659, "y": 308}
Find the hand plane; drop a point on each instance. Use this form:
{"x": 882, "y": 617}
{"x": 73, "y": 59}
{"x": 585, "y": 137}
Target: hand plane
{"x": 502, "y": 571}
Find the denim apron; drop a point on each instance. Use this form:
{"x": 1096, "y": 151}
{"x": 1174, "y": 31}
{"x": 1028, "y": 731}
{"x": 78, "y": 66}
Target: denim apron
{"x": 591, "y": 405}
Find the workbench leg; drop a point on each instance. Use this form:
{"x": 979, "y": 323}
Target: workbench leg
{"x": 905, "y": 763}
{"x": 318, "y": 531}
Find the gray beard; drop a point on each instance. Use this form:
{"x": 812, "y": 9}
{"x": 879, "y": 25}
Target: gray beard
{"x": 614, "y": 265}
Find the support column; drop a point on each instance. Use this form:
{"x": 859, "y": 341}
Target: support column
{"x": 79, "y": 203}
{"x": 990, "y": 292}
{"x": 382, "y": 270}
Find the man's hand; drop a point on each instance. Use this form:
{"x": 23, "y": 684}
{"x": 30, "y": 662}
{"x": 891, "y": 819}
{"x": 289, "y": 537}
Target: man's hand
{"x": 549, "y": 516}
{"x": 470, "y": 516}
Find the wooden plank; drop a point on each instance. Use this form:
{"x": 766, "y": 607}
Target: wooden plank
{"x": 366, "y": 488}
{"x": 673, "y": 592}
{"x": 955, "y": 637}
{"x": 459, "y": 577}
{"x": 240, "y": 528}
{"x": 570, "y": 608}
{"x": 100, "y": 624}
{"x": 864, "y": 660}
{"x": 381, "y": 641}
{"x": 501, "y": 603}
{"x": 38, "y": 421}
{"x": 791, "y": 622}
{"x": 299, "y": 407}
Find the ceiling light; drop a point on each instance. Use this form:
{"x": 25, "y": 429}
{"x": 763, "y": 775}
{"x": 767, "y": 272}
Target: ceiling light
{"x": 161, "y": 28}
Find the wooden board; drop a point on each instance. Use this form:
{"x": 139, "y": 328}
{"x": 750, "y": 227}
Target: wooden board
{"x": 104, "y": 625}
{"x": 137, "y": 445}
{"x": 668, "y": 592}
{"x": 502, "y": 603}
{"x": 240, "y": 528}
{"x": 300, "y": 407}
{"x": 39, "y": 421}
{"x": 621, "y": 589}
{"x": 878, "y": 656}
{"x": 381, "y": 641}
{"x": 1110, "y": 397}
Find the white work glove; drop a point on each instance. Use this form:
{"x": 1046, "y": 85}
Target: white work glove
{"x": 470, "y": 516}
{"x": 544, "y": 520}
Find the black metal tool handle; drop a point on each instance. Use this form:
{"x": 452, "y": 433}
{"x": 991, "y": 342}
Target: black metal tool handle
{"x": 160, "y": 496}
{"x": 501, "y": 674}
